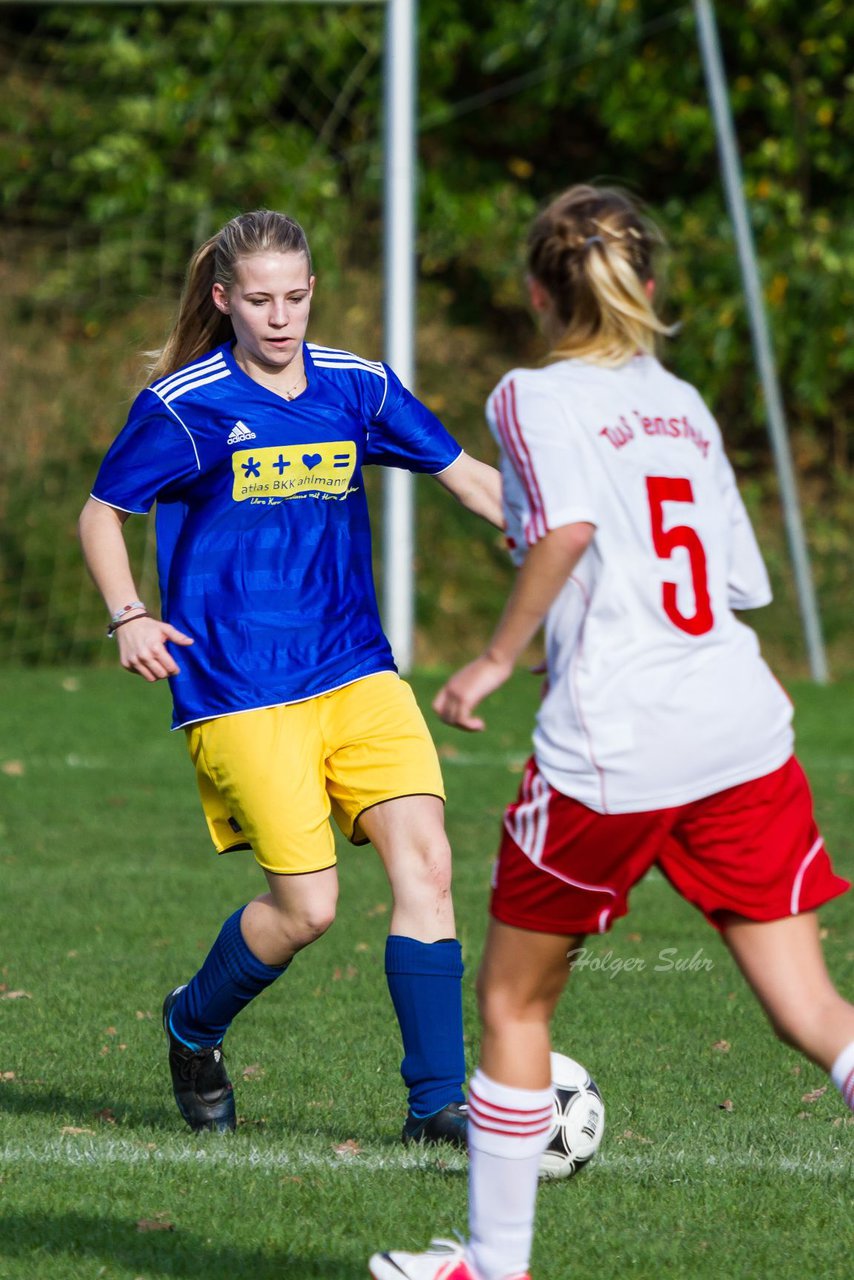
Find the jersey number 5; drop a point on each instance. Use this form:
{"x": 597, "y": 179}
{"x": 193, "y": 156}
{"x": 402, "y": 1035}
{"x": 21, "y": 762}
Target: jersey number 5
{"x": 661, "y": 489}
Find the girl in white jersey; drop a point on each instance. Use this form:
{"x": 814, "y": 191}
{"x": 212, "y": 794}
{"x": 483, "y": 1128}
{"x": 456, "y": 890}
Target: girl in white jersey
{"x": 663, "y": 739}
{"x": 251, "y": 442}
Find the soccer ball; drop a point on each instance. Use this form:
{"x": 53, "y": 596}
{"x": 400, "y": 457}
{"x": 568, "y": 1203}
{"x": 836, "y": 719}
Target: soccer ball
{"x": 578, "y": 1120}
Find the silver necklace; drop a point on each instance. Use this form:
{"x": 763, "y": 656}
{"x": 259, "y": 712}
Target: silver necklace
{"x": 290, "y": 393}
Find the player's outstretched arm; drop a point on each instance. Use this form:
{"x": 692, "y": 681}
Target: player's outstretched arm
{"x": 476, "y": 485}
{"x": 544, "y": 571}
{"x": 141, "y": 640}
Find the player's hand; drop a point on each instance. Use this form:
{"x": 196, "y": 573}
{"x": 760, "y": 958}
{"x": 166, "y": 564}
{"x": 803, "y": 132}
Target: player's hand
{"x": 142, "y": 648}
{"x": 456, "y": 701}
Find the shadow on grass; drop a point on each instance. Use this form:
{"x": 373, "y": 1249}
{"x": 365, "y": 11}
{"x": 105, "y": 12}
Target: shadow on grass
{"x": 43, "y": 1239}
{"x": 35, "y": 1099}
{"x": 129, "y": 1120}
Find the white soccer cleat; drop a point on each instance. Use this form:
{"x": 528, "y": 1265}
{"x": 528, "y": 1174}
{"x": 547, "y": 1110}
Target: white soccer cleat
{"x": 444, "y": 1260}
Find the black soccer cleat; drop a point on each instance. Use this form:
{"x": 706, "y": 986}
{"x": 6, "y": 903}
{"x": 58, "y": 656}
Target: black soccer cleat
{"x": 447, "y": 1125}
{"x": 200, "y": 1082}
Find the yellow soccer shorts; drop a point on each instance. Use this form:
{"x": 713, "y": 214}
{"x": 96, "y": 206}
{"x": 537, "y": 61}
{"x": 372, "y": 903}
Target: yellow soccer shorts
{"x": 270, "y": 779}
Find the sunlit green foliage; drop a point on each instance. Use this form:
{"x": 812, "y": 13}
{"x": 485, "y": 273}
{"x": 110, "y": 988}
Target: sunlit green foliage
{"x": 129, "y": 133}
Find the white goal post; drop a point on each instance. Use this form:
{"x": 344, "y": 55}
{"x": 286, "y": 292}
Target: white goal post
{"x": 707, "y": 36}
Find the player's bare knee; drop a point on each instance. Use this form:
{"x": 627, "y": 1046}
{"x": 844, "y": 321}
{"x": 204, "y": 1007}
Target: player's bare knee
{"x": 501, "y": 1004}
{"x": 431, "y": 867}
{"x": 491, "y": 1007}
{"x": 300, "y": 929}
{"x": 803, "y": 1026}
{"x": 795, "y": 1026}
{"x": 318, "y": 921}
{"x": 785, "y": 1033}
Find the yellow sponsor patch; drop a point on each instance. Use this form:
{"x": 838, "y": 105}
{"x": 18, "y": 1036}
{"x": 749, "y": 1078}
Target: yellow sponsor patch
{"x": 293, "y": 470}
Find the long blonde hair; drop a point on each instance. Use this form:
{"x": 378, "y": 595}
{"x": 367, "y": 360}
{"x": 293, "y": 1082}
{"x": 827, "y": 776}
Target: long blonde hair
{"x": 592, "y": 250}
{"x": 199, "y": 325}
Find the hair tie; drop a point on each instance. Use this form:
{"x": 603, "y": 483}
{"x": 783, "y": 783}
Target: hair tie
{"x": 593, "y": 240}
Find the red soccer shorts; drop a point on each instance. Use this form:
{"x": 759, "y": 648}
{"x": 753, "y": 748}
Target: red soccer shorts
{"x": 753, "y": 849}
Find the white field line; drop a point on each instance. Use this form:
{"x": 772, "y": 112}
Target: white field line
{"x": 512, "y": 760}
{"x": 77, "y": 1153}
{"x": 515, "y": 760}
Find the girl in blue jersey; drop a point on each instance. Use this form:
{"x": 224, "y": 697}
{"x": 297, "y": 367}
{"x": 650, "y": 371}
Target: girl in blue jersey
{"x": 251, "y": 442}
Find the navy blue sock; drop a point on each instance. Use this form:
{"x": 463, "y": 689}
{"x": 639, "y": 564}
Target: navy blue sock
{"x": 230, "y": 977}
{"x": 425, "y": 982}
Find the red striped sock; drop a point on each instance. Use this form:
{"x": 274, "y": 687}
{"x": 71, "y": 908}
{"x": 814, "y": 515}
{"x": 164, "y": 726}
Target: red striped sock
{"x": 842, "y": 1075}
{"x": 507, "y": 1133}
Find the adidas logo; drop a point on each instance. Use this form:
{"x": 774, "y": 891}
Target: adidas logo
{"x": 239, "y": 433}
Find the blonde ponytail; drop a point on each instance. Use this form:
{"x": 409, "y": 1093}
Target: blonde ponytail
{"x": 592, "y": 251}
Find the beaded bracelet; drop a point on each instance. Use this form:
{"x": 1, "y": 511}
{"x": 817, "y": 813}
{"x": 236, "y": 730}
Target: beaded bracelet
{"x": 114, "y": 626}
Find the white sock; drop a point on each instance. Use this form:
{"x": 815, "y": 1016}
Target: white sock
{"x": 842, "y": 1075}
{"x": 507, "y": 1133}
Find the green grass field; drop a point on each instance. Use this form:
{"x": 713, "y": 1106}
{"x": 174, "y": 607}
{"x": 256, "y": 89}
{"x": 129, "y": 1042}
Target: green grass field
{"x": 724, "y": 1154}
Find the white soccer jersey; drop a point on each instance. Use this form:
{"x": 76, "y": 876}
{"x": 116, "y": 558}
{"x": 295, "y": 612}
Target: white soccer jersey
{"x": 657, "y": 694}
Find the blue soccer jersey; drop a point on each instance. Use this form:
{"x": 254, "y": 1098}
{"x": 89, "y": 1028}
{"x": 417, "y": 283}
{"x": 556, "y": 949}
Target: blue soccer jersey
{"x": 263, "y": 536}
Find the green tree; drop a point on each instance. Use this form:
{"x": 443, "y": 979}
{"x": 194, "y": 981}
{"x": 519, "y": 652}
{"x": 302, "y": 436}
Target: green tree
{"x": 127, "y": 134}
